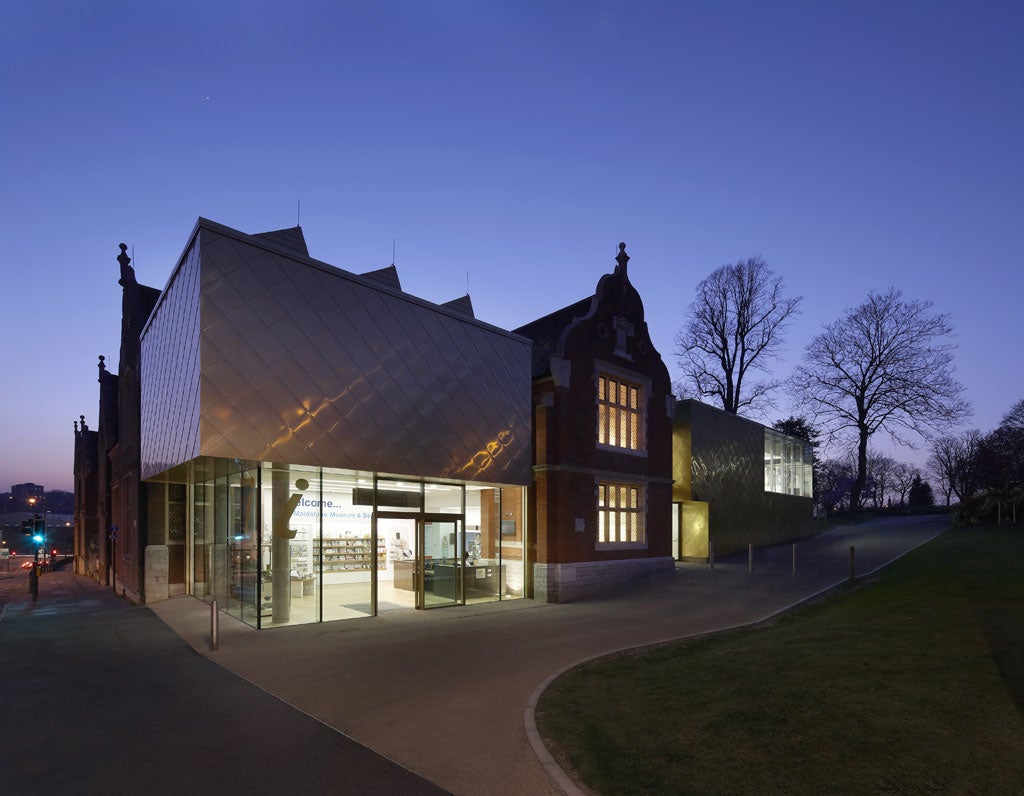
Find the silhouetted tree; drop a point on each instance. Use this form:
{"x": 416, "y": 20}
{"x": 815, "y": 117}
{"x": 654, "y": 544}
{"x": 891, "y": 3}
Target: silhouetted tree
{"x": 799, "y": 427}
{"x": 879, "y": 476}
{"x": 921, "y": 494}
{"x": 881, "y": 366}
{"x": 902, "y": 477}
{"x": 1000, "y": 462}
{"x": 834, "y": 480}
{"x": 954, "y": 461}
{"x": 733, "y": 326}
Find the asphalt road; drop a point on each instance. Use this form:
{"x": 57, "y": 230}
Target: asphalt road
{"x": 102, "y": 697}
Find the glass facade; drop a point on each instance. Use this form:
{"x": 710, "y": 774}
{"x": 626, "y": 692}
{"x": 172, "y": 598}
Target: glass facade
{"x": 283, "y": 544}
{"x": 788, "y": 464}
{"x": 256, "y": 355}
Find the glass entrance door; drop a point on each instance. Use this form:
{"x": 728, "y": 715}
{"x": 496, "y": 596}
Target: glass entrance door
{"x": 425, "y": 558}
{"x": 441, "y": 555}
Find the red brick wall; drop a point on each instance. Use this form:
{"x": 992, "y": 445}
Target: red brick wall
{"x": 490, "y": 522}
{"x": 568, "y": 462}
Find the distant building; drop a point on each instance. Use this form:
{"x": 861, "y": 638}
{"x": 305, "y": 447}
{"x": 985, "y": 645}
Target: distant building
{"x": 57, "y": 501}
{"x": 22, "y": 494}
{"x": 304, "y": 443}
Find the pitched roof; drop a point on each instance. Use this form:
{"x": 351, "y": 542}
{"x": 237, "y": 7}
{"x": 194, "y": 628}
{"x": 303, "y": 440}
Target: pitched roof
{"x": 290, "y": 239}
{"x": 546, "y": 331}
{"x": 462, "y": 305}
{"x": 149, "y": 297}
{"x": 386, "y": 276}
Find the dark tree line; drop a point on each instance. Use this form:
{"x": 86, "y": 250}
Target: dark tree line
{"x": 888, "y": 485}
{"x": 982, "y": 469}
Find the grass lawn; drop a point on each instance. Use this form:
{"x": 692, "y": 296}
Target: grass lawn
{"x": 910, "y": 683}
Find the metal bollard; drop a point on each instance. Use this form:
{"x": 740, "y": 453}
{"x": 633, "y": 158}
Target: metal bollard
{"x": 852, "y": 568}
{"x": 711, "y": 554}
{"x": 794, "y": 559}
{"x": 214, "y": 625}
{"x": 750, "y": 557}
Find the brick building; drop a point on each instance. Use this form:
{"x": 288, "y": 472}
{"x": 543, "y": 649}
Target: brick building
{"x": 304, "y": 443}
{"x": 602, "y": 443}
{"x": 109, "y": 492}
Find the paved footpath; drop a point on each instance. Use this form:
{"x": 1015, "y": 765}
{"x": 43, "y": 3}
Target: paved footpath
{"x": 448, "y": 693}
{"x": 101, "y": 697}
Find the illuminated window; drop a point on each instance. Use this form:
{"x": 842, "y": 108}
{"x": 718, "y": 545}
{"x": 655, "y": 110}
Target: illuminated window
{"x": 788, "y": 465}
{"x": 619, "y": 413}
{"x": 620, "y": 513}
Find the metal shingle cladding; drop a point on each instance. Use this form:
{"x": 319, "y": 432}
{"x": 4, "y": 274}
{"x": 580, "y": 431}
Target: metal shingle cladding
{"x": 305, "y": 364}
{"x": 170, "y": 372}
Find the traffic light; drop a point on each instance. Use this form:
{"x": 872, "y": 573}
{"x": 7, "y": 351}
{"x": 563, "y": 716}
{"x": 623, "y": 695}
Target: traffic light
{"x": 27, "y": 526}
{"x": 39, "y": 526}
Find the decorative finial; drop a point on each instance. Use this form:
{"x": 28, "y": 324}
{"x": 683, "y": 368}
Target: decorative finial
{"x": 123, "y": 257}
{"x": 76, "y": 426}
{"x": 102, "y": 365}
{"x": 622, "y": 258}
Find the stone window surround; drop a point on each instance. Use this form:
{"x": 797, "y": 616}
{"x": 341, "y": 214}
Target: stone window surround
{"x": 643, "y": 385}
{"x": 641, "y": 514}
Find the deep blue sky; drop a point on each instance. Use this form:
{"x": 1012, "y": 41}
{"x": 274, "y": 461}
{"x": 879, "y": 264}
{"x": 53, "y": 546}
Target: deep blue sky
{"x": 510, "y": 145}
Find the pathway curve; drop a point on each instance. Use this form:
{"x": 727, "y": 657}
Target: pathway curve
{"x": 443, "y": 692}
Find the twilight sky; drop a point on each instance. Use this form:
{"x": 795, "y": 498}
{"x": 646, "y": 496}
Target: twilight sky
{"x": 510, "y": 146}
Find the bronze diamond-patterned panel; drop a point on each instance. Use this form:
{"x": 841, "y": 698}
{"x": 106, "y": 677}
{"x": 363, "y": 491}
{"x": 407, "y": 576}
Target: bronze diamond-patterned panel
{"x": 305, "y": 364}
{"x": 727, "y": 471}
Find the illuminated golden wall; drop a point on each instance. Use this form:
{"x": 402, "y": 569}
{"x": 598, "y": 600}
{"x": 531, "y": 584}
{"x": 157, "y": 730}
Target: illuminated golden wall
{"x": 718, "y": 458}
{"x": 693, "y": 529}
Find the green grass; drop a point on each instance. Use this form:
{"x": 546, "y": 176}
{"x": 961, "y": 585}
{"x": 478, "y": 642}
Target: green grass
{"x": 912, "y": 683}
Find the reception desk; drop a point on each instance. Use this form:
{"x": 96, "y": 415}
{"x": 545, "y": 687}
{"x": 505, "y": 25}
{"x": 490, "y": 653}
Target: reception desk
{"x": 482, "y": 580}
{"x": 442, "y": 579}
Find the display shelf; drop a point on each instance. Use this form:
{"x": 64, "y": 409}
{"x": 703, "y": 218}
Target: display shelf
{"x": 347, "y": 554}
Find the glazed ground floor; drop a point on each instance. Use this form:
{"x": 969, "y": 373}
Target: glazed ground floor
{"x": 284, "y": 544}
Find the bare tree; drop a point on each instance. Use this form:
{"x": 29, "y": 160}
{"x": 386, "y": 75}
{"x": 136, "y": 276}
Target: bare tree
{"x": 880, "y": 476}
{"x": 902, "y": 477}
{"x": 883, "y": 366}
{"x": 954, "y": 461}
{"x": 835, "y": 477}
{"x": 734, "y": 325}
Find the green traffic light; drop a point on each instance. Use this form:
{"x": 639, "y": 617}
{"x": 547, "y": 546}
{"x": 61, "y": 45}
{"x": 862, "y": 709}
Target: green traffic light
{"x": 37, "y": 538}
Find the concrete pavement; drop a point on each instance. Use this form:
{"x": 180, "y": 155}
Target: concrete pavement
{"x": 450, "y": 693}
{"x": 104, "y": 697}
{"x": 101, "y": 697}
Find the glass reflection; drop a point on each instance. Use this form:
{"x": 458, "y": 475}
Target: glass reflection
{"x": 291, "y": 532}
{"x": 347, "y": 554}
